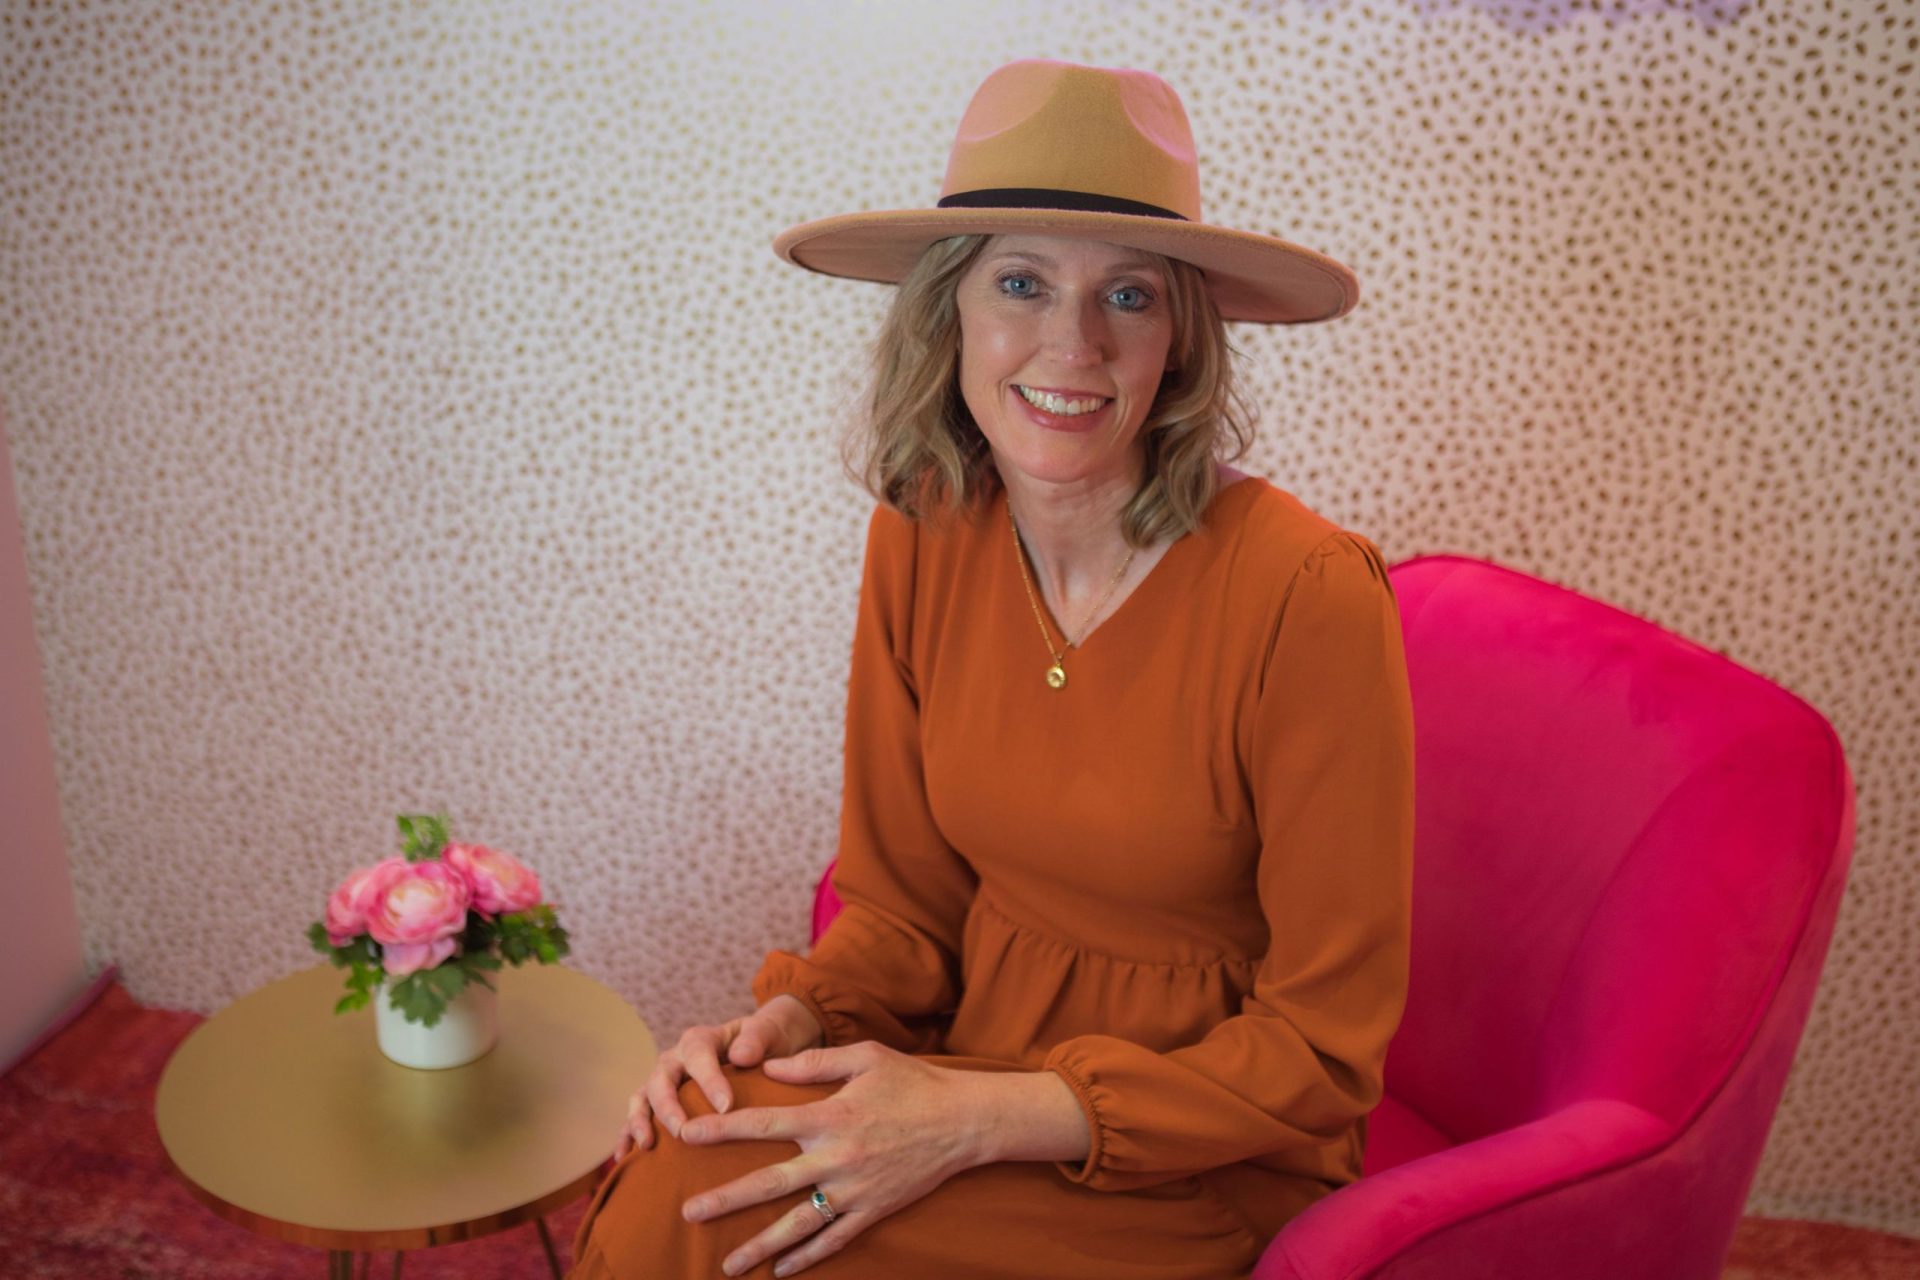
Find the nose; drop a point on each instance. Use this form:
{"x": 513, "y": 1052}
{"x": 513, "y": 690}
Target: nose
{"x": 1076, "y": 331}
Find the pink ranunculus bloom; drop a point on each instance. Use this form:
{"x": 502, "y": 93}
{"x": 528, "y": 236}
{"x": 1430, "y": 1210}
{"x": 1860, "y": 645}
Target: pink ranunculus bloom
{"x": 418, "y": 903}
{"x": 501, "y": 882}
{"x": 401, "y": 958}
{"x": 348, "y": 907}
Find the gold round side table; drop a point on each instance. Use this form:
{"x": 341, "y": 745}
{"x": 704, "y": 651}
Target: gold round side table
{"x": 284, "y": 1118}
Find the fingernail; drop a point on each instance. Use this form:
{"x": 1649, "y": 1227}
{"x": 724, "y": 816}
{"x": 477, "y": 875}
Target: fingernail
{"x": 785, "y": 1269}
{"x": 733, "y": 1266}
{"x": 673, "y": 1126}
{"x": 694, "y": 1210}
{"x": 726, "y": 1100}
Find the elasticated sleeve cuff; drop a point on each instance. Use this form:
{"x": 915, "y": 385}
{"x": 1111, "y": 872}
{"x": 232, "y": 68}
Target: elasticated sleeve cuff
{"x": 846, "y": 1014}
{"x": 763, "y": 992}
{"x": 1083, "y": 1090}
{"x": 782, "y": 975}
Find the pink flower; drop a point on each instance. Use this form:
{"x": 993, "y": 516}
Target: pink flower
{"x": 348, "y": 907}
{"x": 419, "y": 903}
{"x": 402, "y": 958}
{"x": 501, "y": 882}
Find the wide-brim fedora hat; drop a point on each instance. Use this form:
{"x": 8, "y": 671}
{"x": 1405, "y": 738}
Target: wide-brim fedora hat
{"x": 1054, "y": 148}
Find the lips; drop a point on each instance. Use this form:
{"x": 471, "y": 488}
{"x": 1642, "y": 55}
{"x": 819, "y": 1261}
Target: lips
{"x": 1066, "y": 404}
{"x": 1075, "y": 422}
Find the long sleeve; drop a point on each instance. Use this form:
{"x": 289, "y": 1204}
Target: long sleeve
{"x": 1330, "y": 765}
{"x": 888, "y": 967}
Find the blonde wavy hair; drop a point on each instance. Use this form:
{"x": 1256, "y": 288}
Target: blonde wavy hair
{"x": 917, "y": 449}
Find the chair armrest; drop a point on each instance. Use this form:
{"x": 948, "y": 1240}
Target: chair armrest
{"x": 1364, "y": 1226}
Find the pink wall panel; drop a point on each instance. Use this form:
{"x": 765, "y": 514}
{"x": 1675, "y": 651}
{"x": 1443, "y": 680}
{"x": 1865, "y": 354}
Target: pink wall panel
{"x": 39, "y": 931}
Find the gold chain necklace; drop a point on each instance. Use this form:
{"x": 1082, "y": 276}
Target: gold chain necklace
{"x": 1057, "y": 673}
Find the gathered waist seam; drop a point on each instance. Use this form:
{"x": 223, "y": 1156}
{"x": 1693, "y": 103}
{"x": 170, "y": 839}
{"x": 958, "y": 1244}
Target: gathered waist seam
{"x": 984, "y": 899}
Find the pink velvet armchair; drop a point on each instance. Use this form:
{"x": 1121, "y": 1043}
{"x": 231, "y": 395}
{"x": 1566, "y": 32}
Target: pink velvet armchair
{"x": 1629, "y": 857}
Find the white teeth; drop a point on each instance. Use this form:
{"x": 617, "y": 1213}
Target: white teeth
{"x": 1058, "y": 404}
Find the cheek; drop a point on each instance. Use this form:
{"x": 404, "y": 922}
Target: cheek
{"x": 981, "y": 368}
{"x": 999, "y": 333}
{"x": 1148, "y": 367}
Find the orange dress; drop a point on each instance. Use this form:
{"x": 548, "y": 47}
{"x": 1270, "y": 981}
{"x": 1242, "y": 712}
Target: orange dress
{"x": 1182, "y": 882}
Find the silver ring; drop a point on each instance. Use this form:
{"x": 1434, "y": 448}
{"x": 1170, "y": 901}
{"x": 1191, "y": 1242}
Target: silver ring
{"x": 820, "y": 1203}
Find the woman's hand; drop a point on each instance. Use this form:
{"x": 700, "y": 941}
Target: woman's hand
{"x": 898, "y": 1129}
{"x": 780, "y": 1027}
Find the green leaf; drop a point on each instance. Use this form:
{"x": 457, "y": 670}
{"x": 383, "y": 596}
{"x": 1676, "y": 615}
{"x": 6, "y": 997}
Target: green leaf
{"x": 480, "y": 935}
{"x": 473, "y": 966}
{"x": 448, "y": 979}
{"x": 350, "y": 1002}
{"x": 416, "y": 999}
{"x": 424, "y": 835}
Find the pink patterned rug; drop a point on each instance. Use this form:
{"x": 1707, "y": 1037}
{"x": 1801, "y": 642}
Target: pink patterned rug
{"x": 85, "y": 1191}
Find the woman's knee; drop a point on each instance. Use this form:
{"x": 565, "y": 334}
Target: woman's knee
{"x": 638, "y": 1207}
{"x": 751, "y": 1087}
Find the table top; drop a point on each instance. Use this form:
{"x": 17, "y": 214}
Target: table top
{"x": 284, "y": 1117}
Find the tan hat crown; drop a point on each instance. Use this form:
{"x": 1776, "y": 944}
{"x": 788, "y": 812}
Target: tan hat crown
{"x": 1040, "y": 125}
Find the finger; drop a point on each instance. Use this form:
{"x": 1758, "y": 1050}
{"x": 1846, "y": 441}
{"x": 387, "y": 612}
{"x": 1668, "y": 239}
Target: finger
{"x": 816, "y": 1066}
{"x": 624, "y": 1142}
{"x": 703, "y": 1067}
{"x": 792, "y": 1227}
{"x": 822, "y": 1244}
{"x": 663, "y": 1094}
{"x": 775, "y": 1182}
{"x": 750, "y": 1046}
{"x": 639, "y": 1130}
{"x": 765, "y": 1124}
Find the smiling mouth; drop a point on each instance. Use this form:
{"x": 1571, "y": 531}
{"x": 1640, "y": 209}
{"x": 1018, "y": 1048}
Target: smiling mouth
{"x": 1062, "y": 406}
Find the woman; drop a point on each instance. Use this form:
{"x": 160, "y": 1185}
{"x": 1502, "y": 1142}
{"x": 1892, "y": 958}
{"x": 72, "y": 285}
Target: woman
{"x": 1126, "y": 837}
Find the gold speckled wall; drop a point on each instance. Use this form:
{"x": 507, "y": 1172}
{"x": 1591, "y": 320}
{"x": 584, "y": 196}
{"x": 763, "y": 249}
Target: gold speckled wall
{"x": 407, "y": 411}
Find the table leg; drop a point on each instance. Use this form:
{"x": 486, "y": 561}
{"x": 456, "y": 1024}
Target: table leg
{"x": 546, "y": 1242}
{"x": 339, "y": 1265}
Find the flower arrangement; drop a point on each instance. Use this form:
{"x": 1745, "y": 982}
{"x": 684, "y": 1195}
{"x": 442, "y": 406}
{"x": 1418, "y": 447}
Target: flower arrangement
{"x": 434, "y": 919}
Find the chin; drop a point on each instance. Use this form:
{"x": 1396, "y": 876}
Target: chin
{"x": 1056, "y": 473}
{"x": 1062, "y": 467}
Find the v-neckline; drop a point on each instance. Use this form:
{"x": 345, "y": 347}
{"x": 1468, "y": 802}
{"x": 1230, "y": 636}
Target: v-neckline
{"x": 1037, "y": 600}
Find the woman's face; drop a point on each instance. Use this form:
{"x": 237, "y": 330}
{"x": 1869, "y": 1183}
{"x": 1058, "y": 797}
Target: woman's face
{"x": 1062, "y": 346}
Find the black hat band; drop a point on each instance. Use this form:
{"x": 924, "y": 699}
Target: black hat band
{"x": 1048, "y": 198}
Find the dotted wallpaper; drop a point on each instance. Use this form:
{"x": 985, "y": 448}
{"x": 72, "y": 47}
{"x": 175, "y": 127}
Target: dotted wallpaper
{"x": 408, "y": 412}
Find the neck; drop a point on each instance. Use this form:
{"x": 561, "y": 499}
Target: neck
{"x": 1071, "y": 531}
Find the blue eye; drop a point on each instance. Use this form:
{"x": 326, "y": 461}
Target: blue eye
{"x": 1018, "y": 285}
{"x": 1131, "y": 298}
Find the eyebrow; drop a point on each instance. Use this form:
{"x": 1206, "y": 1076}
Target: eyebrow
{"x": 1041, "y": 260}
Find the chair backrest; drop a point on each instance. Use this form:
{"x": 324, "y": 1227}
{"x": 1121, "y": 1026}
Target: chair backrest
{"x": 1621, "y": 838}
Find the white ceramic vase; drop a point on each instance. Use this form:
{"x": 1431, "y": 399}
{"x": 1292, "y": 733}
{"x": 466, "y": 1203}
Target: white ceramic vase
{"x": 465, "y": 1031}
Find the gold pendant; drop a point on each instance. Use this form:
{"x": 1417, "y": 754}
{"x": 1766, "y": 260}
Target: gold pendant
{"x": 1056, "y": 676}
